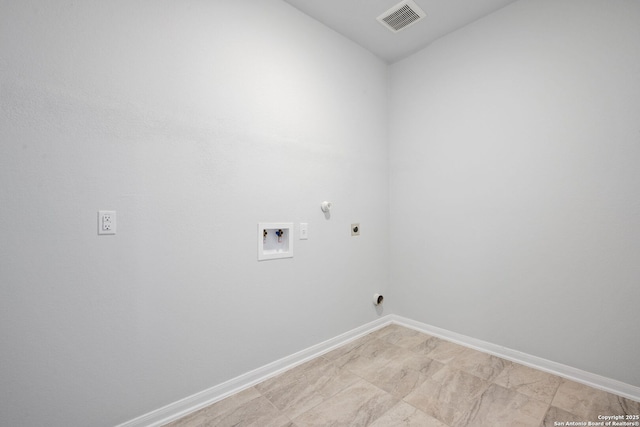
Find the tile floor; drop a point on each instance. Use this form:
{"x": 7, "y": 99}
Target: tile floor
{"x": 399, "y": 377}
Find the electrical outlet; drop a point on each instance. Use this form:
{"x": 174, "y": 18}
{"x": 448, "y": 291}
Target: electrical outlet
{"x": 106, "y": 222}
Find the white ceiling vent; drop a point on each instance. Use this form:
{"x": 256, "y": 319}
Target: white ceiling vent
{"x": 401, "y": 16}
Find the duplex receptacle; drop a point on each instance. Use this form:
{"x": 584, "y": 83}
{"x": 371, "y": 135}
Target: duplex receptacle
{"x": 106, "y": 222}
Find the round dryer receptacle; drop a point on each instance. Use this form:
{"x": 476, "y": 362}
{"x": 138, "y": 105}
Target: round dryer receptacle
{"x": 377, "y": 299}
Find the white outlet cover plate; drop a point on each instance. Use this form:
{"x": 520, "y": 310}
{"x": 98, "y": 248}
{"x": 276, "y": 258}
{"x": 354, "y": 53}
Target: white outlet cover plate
{"x": 106, "y": 222}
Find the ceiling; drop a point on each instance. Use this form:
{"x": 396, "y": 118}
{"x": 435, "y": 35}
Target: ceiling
{"x": 356, "y": 20}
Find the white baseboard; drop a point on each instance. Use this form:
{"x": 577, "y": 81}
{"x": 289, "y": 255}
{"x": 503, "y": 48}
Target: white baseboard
{"x": 175, "y": 410}
{"x": 190, "y": 404}
{"x": 592, "y": 380}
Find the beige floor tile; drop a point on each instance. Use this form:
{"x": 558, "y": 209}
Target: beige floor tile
{"x": 237, "y": 411}
{"x": 305, "y": 386}
{"x": 531, "y": 382}
{"x": 405, "y": 415}
{"x": 350, "y": 346}
{"x": 417, "y": 362}
{"x": 398, "y": 377}
{"x": 427, "y": 346}
{"x": 196, "y": 419}
{"x": 293, "y": 375}
{"x": 440, "y": 350}
{"x": 588, "y": 403}
{"x": 222, "y": 407}
{"x": 397, "y": 381}
{"x": 556, "y": 417}
{"x": 448, "y": 395}
{"x": 255, "y": 413}
{"x": 480, "y": 364}
{"x": 358, "y": 405}
{"x": 406, "y": 338}
{"x": 404, "y": 373}
{"x": 369, "y": 358}
{"x": 382, "y": 333}
{"x": 499, "y": 406}
{"x": 375, "y": 348}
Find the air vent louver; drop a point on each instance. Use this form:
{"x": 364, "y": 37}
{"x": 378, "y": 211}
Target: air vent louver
{"x": 401, "y": 16}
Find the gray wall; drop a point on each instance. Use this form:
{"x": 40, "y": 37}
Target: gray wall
{"x": 194, "y": 127}
{"x": 515, "y": 183}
